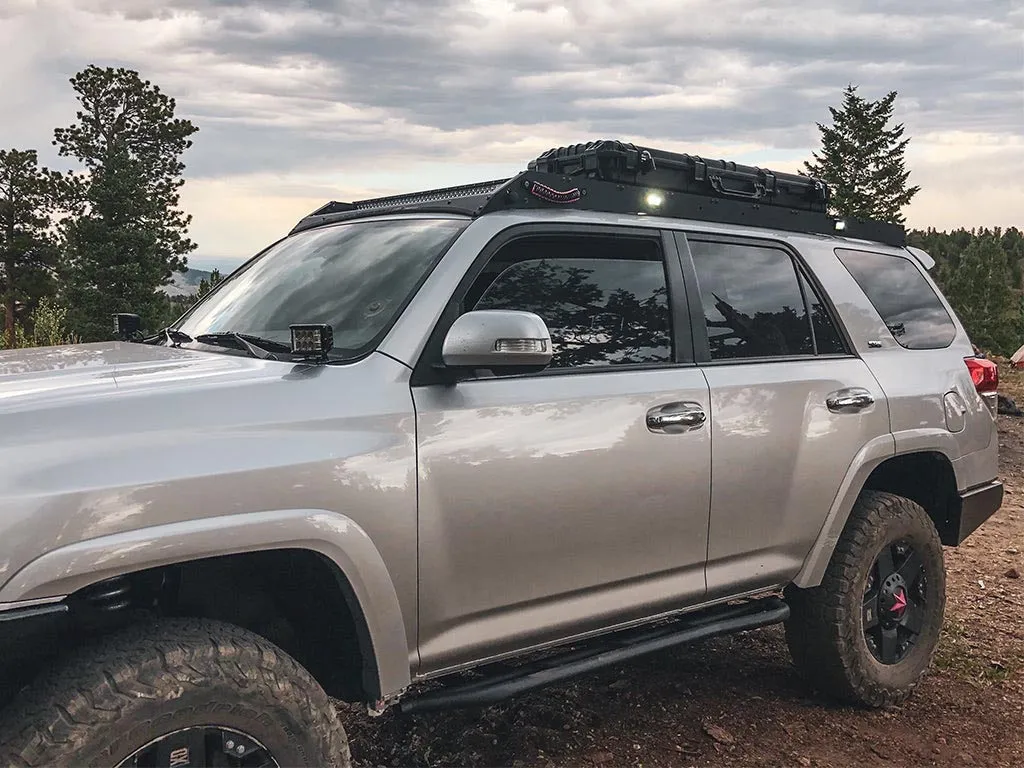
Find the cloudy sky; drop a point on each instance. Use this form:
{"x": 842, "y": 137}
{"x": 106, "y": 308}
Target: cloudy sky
{"x": 302, "y": 102}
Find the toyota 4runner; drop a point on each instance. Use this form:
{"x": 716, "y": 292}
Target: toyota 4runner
{"x": 625, "y": 400}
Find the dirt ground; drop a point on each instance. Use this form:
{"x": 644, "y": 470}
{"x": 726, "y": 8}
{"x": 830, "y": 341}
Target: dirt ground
{"x": 738, "y": 701}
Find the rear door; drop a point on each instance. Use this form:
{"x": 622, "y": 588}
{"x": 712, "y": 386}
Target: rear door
{"x": 791, "y": 406}
{"x": 559, "y": 503}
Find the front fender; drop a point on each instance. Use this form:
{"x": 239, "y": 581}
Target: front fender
{"x": 68, "y": 569}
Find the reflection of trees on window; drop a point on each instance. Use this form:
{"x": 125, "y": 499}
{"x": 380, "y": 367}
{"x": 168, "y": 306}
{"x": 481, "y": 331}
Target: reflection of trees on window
{"x": 599, "y": 311}
{"x": 753, "y": 302}
{"x": 903, "y": 297}
{"x": 827, "y": 338}
{"x": 763, "y": 334}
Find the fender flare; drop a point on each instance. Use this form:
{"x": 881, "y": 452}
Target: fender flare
{"x": 868, "y": 458}
{"x": 874, "y": 453}
{"x": 66, "y": 570}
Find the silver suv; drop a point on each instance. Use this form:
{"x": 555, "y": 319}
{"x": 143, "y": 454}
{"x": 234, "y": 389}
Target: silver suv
{"x": 557, "y": 421}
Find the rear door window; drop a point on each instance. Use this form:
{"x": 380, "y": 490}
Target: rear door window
{"x": 907, "y": 303}
{"x": 756, "y": 304}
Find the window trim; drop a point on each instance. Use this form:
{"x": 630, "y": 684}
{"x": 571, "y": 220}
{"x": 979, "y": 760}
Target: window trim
{"x": 424, "y": 371}
{"x": 916, "y": 266}
{"x": 701, "y": 338}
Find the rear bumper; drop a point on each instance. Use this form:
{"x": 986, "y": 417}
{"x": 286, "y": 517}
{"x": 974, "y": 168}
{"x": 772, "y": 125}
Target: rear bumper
{"x": 976, "y": 506}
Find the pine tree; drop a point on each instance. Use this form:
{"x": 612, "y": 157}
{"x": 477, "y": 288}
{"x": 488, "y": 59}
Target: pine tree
{"x": 28, "y": 195}
{"x": 205, "y": 286}
{"x": 862, "y": 159}
{"x": 127, "y": 236}
{"x": 980, "y": 292}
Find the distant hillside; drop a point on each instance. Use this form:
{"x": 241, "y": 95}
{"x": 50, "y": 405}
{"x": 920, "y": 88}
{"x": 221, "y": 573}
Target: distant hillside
{"x": 186, "y": 283}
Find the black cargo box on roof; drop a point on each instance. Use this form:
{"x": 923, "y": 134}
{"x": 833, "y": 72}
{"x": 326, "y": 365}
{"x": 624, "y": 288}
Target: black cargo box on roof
{"x": 668, "y": 171}
{"x": 621, "y": 178}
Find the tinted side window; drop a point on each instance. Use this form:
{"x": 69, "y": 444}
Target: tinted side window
{"x": 752, "y": 301}
{"x": 827, "y": 339}
{"x": 901, "y": 294}
{"x": 604, "y": 300}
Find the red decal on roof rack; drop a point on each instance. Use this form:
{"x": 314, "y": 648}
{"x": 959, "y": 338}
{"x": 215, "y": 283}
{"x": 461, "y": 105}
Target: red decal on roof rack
{"x": 545, "y": 192}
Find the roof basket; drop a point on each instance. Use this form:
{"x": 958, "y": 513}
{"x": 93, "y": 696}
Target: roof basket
{"x": 618, "y": 177}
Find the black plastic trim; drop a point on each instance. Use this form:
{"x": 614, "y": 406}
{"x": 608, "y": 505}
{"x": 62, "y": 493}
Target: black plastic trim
{"x": 698, "y": 327}
{"x": 976, "y": 506}
{"x": 682, "y": 331}
{"x": 618, "y": 648}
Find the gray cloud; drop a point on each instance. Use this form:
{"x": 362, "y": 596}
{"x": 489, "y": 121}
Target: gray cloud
{"x": 287, "y": 86}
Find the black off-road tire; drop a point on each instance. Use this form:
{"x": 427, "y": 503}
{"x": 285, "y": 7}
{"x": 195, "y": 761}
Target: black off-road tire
{"x": 103, "y": 703}
{"x": 826, "y": 628}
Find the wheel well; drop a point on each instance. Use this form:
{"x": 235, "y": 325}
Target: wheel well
{"x": 926, "y": 478}
{"x": 297, "y": 599}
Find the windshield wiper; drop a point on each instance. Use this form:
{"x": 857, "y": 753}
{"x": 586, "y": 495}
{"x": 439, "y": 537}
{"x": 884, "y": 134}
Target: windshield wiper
{"x": 254, "y": 345}
{"x": 171, "y": 335}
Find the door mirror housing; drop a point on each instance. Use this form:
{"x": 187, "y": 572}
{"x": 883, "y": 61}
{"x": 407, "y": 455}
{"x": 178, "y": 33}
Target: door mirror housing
{"x": 497, "y": 339}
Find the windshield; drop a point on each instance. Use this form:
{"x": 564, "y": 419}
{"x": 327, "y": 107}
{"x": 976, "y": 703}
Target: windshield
{"x": 355, "y": 276}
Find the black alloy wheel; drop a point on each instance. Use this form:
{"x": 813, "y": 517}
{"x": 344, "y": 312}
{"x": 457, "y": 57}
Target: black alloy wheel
{"x": 208, "y": 746}
{"x": 895, "y": 602}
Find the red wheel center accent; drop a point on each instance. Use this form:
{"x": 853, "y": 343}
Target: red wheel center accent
{"x": 899, "y": 604}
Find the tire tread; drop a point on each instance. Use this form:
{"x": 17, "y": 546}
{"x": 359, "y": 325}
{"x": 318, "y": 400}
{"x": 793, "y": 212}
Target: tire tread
{"x": 50, "y": 724}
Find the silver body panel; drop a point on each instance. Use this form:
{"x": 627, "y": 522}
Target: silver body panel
{"x": 479, "y": 519}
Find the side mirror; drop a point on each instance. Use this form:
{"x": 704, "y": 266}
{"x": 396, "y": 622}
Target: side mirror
{"x": 497, "y": 338}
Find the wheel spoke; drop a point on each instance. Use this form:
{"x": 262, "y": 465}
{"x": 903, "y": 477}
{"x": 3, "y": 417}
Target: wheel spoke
{"x": 870, "y": 610}
{"x": 886, "y": 567}
{"x": 911, "y": 567}
{"x": 913, "y": 618}
{"x": 890, "y": 645}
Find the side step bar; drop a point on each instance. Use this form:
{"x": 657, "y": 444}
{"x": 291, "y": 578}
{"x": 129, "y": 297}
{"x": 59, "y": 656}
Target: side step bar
{"x": 620, "y": 647}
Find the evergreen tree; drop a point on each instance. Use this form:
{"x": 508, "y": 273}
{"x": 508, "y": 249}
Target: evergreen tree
{"x": 205, "y": 286}
{"x": 862, "y": 159}
{"x": 28, "y": 195}
{"x": 127, "y": 236}
{"x": 980, "y": 292}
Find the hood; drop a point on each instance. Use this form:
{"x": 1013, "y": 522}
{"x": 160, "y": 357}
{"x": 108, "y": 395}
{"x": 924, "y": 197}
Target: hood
{"x": 46, "y": 377}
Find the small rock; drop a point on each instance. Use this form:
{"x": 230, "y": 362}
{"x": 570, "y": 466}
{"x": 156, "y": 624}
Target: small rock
{"x": 1013, "y": 573}
{"x": 1013, "y": 551}
{"x": 804, "y": 761}
{"x": 618, "y": 685}
{"x": 600, "y": 758}
{"x": 718, "y": 733}
{"x": 981, "y": 583}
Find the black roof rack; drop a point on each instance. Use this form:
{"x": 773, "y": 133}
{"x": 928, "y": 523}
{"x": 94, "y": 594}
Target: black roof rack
{"x": 615, "y": 177}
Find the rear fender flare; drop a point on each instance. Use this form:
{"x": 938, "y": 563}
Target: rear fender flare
{"x": 864, "y": 463}
{"x": 867, "y": 460}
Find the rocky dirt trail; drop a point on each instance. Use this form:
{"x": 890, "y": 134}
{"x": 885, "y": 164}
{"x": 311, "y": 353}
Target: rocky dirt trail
{"x": 738, "y": 701}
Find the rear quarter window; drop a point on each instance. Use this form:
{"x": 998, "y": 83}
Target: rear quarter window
{"x": 907, "y": 303}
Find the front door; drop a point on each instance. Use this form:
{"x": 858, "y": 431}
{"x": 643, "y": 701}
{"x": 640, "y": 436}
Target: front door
{"x": 558, "y": 503}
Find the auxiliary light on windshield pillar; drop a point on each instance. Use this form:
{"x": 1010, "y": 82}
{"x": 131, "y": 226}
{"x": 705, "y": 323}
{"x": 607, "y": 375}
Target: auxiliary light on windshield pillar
{"x": 312, "y": 341}
{"x": 126, "y": 326}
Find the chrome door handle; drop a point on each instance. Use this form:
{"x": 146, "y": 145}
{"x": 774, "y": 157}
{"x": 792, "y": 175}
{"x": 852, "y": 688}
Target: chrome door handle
{"x": 849, "y": 400}
{"x": 676, "y": 417}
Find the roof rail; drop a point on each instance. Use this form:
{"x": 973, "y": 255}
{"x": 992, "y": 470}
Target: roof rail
{"x": 614, "y": 177}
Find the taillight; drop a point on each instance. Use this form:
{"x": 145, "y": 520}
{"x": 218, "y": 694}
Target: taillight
{"x": 985, "y": 375}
